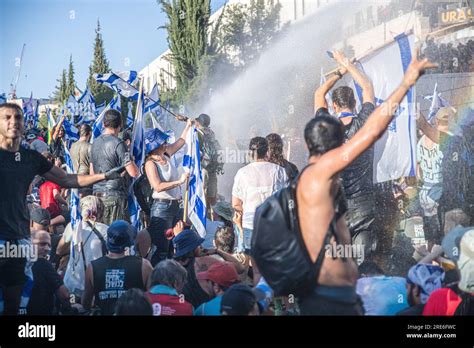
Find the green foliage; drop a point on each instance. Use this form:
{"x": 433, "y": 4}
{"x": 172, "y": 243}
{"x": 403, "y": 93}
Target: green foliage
{"x": 71, "y": 84}
{"x": 60, "y": 94}
{"x": 188, "y": 22}
{"x": 100, "y": 65}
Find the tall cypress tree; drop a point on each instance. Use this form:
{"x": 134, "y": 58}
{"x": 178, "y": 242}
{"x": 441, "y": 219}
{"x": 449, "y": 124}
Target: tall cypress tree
{"x": 60, "y": 94}
{"x": 99, "y": 65}
{"x": 71, "y": 84}
{"x": 188, "y": 22}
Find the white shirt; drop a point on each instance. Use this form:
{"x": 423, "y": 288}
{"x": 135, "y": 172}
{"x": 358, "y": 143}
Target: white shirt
{"x": 430, "y": 160}
{"x": 74, "y": 278}
{"x": 168, "y": 173}
{"x": 254, "y": 183}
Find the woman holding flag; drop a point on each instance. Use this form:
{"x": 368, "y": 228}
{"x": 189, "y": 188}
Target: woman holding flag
{"x": 166, "y": 183}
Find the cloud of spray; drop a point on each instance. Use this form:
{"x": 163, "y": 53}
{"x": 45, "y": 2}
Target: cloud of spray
{"x": 280, "y": 85}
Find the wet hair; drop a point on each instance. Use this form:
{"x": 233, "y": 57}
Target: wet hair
{"x": 258, "y": 147}
{"x": 370, "y": 269}
{"x": 225, "y": 239}
{"x": 85, "y": 130}
{"x": 112, "y": 119}
{"x": 12, "y": 106}
{"x": 275, "y": 149}
{"x": 133, "y": 302}
{"x": 343, "y": 97}
{"x": 169, "y": 273}
{"x": 322, "y": 134}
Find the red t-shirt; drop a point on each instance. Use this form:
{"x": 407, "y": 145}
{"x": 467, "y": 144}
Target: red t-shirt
{"x": 47, "y": 199}
{"x": 169, "y": 305}
{"x": 443, "y": 301}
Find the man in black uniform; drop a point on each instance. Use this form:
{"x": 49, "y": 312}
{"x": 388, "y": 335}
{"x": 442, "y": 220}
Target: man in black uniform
{"x": 18, "y": 168}
{"x": 357, "y": 178}
{"x": 108, "y": 152}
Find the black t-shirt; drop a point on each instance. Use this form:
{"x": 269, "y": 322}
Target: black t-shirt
{"x": 358, "y": 177}
{"x": 109, "y": 152}
{"x": 113, "y": 277}
{"x": 45, "y": 283}
{"x": 17, "y": 171}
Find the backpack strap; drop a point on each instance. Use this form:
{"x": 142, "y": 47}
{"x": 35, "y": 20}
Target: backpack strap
{"x": 98, "y": 235}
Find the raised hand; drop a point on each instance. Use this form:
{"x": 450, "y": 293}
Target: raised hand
{"x": 416, "y": 69}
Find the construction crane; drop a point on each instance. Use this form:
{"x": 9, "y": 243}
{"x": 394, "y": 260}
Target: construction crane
{"x": 18, "y": 64}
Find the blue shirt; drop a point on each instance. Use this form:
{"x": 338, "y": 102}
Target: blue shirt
{"x": 213, "y": 307}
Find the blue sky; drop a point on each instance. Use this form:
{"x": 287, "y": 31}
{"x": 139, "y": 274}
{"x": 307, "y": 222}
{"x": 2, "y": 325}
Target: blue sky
{"x": 54, "y": 29}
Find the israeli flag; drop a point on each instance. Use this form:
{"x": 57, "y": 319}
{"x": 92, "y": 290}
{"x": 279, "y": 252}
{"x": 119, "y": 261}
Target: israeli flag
{"x": 152, "y": 101}
{"x": 36, "y": 114}
{"x": 72, "y": 133}
{"x": 437, "y": 102}
{"x": 99, "y": 109}
{"x": 28, "y": 111}
{"x": 74, "y": 203}
{"x": 72, "y": 106}
{"x": 196, "y": 198}
{"x": 386, "y": 68}
{"x": 138, "y": 151}
{"x": 87, "y": 107}
{"x": 130, "y": 115}
{"x": 98, "y": 125}
{"x": 28, "y": 287}
{"x": 120, "y": 82}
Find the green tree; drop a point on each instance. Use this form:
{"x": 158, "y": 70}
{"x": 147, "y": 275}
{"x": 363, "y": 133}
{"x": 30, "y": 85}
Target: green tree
{"x": 71, "y": 84}
{"x": 100, "y": 65}
{"x": 60, "y": 94}
{"x": 188, "y": 23}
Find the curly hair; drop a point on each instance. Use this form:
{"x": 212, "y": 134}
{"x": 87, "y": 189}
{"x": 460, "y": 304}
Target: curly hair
{"x": 275, "y": 149}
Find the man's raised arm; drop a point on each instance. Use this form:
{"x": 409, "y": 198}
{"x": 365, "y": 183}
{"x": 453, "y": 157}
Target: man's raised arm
{"x": 359, "y": 77}
{"x": 339, "y": 158}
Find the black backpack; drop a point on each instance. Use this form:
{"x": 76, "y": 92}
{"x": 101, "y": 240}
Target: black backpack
{"x": 278, "y": 247}
{"x": 143, "y": 193}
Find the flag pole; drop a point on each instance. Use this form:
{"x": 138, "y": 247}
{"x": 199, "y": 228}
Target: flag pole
{"x": 186, "y": 191}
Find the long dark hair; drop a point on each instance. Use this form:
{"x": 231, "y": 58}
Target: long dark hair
{"x": 275, "y": 149}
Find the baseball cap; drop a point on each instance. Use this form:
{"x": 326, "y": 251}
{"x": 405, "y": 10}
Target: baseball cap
{"x": 239, "y": 299}
{"x": 185, "y": 242}
{"x": 466, "y": 262}
{"x": 221, "y": 273}
{"x": 119, "y": 236}
{"x": 451, "y": 242}
{"x": 204, "y": 119}
{"x": 40, "y": 216}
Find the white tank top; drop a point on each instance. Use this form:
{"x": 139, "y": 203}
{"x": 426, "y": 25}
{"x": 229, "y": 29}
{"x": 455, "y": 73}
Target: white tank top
{"x": 167, "y": 172}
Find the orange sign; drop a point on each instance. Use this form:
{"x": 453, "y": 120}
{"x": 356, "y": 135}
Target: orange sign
{"x": 455, "y": 16}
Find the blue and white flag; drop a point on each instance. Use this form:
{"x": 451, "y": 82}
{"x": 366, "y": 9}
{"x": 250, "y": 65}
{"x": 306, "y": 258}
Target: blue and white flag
{"x": 36, "y": 114}
{"x": 138, "y": 151}
{"x": 98, "y": 125}
{"x": 28, "y": 286}
{"x": 72, "y": 133}
{"x": 74, "y": 203}
{"x": 130, "y": 115}
{"x": 99, "y": 109}
{"x": 3, "y": 98}
{"x": 386, "y": 68}
{"x": 87, "y": 107}
{"x": 196, "y": 198}
{"x": 329, "y": 95}
{"x": 120, "y": 82}
{"x": 28, "y": 111}
{"x": 72, "y": 106}
{"x": 152, "y": 101}
{"x": 437, "y": 102}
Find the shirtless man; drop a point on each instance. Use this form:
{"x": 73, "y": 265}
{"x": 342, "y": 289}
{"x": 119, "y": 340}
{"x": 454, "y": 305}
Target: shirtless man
{"x": 317, "y": 189}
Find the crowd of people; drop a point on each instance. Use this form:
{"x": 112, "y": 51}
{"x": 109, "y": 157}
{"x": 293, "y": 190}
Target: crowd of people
{"x": 452, "y": 58}
{"x": 265, "y": 252}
